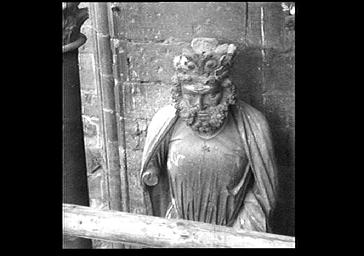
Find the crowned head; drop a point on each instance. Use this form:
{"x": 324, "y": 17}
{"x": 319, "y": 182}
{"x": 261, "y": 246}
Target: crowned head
{"x": 202, "y": 91}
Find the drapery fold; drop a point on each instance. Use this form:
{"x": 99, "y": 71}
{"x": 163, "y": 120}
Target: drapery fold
{"x": 256, "y": 137}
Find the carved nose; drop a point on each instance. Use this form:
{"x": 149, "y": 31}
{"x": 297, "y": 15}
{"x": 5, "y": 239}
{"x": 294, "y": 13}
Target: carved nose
{"x": 200, "y": 103}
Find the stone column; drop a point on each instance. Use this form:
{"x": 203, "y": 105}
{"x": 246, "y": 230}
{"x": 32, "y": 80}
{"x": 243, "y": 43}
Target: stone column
{"x": 75, "y": 189}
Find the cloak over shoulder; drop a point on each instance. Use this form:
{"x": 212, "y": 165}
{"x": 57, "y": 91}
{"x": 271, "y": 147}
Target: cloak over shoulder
{"x": 255, "y": 134}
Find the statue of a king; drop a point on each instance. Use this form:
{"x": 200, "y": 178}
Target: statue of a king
{"x": 209, "y": 157}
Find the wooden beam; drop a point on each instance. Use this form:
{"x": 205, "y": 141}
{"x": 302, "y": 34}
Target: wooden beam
{"x": 152, "y": 231}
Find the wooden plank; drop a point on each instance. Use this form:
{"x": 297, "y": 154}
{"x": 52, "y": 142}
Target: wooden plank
{"x": 151, "y": 231}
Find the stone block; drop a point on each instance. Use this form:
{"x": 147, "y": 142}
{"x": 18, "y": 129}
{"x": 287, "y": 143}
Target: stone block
{"x": 265, "y": 24}
{"x": 95, "y": 193}
{"x": 184, "y": 21}
{"x": 283, "y": 216}
{"x": 279, "y": 71}
{"x": 152, "y": 62}
{"x": 247, "y": 76}
{"x": 279, "y": 108}
{"x": 87, "y": 71}
{"x": 223, "y": 21}
{"x": 94, "y": 159}
{"x": 274, "y": 21}
{"x": 92, "y": 134}
{"x": 142, "y": 100}
{"x": 90, "y": 103}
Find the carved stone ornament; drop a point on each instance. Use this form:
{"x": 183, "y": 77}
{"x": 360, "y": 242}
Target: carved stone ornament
{"x": 72, "y": 20}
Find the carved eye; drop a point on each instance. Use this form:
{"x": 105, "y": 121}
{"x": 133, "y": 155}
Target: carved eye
{"x": 191, "y": 65}
{"x": 210, "y": 64}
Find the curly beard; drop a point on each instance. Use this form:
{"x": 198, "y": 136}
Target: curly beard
{"x": 208, "y": 120}
{"x": 205, "y": 121}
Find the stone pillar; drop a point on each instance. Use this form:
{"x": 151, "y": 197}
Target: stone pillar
{"x": 75, "y": 189}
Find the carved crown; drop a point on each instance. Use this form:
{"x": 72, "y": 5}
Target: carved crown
{"x": 205, "y": 57}
{"x": 206, "y": 64}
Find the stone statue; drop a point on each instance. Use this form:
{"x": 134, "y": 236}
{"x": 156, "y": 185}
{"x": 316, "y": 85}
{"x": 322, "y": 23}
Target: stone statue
{"x": 209, "y": 157}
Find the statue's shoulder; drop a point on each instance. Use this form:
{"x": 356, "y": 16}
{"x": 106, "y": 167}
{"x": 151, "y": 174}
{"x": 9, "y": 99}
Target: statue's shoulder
{"x": 157, "y": 128}
{"x": 162, "y": 117}
{"x": 251, "y": 113}
{"x": 166, "y": 110}
{"x": 164, "y": 113}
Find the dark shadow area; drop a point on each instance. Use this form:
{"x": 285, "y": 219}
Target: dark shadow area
{"x": 247, "y": 75}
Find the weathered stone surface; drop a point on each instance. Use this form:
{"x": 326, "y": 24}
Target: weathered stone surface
{"x": 87, "y": 71}
{"x": 265, "y": 24}
{"x": 95, "y": 190}
{"x": 183, "y": 21}
{"x": 283, "y": 216}
{"x": 89, "y": 46}
{"x": 273, "y": 25}
{"x": 91, "y": 103}
{"x": 90, "y": 128}
{"x": 279, "y": 72}
{"x": 246, "y": 74}
{"x": 279, "y": 107}
{"x": 204, "y": 44}
{"x": 152, "y": 62}
{"x": 92, "y": 134}
{"x": 142, "y": 101}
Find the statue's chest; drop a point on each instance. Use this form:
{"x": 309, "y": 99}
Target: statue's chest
{"x": 219, "y": 157}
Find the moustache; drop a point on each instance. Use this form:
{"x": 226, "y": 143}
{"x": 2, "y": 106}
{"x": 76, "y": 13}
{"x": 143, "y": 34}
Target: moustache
{"x": 191, "y": 79}
{"x": 203, "y": 116}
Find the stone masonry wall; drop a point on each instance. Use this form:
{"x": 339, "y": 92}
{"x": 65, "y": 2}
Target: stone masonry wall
{"x": 150, "y": 35}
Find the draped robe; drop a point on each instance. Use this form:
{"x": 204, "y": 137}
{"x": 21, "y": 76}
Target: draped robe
{"x": 254, "y": 194}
